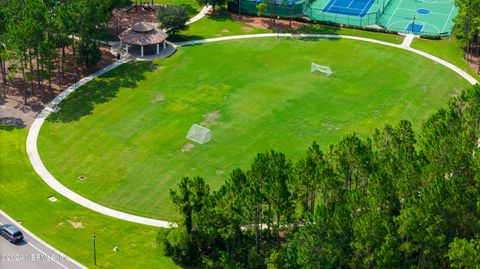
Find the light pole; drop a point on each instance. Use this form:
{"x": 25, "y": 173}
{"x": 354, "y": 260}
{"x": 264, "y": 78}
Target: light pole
{"x": 413, "y": 23}
{"x": 94, "y": 251}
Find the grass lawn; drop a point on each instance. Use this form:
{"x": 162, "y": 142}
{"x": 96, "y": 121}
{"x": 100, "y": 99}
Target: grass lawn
{"x": 126, "y": 131}
{"x": 216, "y": 25}
{"x": 326, "y": 29}
{"x": 221, "y": 24}
{"x": 24, "y": 197}
{"x": 192, "y": 6}
{"x": 447, "y": 49}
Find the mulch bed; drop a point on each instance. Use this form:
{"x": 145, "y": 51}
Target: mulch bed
{"x": 13, "y": 110}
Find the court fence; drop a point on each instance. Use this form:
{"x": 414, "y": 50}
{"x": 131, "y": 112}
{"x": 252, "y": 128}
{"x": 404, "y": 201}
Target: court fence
{"x": 303, "y": 12}
{"x": 317, "y": 14}
{"x": 299, "y": 9}
{"x": 386, "y": 5}
{"x": 425, "y": 33}
{"x": 281, "y": 9}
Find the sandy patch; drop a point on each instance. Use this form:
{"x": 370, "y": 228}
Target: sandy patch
{"x": 247, "y": 29}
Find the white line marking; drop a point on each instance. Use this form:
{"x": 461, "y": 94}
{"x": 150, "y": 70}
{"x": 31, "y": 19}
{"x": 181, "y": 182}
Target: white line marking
{"x": 435, "y": 2}
{"x": 32, "y": 235}
{"x": 448, "y": 19}
{"x": 425, "y": 24}
{"x": 46, "y": 255}
{"x": 366, "y": 5}
{"x": 415, "y": 10}
{"x": 395, "y": 11}
{"x": 350, "y": 4}
{"x": 333, "y": 4}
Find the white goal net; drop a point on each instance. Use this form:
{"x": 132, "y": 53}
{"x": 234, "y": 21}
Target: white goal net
{"x": 321, "y": 68}
{"x": 199, "y": 134}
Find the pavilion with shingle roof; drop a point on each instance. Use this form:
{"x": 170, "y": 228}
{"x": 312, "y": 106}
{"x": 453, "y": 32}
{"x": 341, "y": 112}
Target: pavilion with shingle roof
{"x": 143, "y": 34}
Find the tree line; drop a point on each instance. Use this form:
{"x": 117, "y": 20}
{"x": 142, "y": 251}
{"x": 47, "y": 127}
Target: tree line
{"x": 398, "y": 199}
{"x": 34, "y": 35}
{"x": 467, "y": 28}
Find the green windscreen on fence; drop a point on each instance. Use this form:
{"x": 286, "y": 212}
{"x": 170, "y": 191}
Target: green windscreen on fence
{"x": 282, "y": 9}
{"x": 317, "y": 14}
{"x": 407, "y": 16}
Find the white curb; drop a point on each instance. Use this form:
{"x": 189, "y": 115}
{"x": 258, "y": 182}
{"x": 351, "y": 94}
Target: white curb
{"x": 25, "y": 230}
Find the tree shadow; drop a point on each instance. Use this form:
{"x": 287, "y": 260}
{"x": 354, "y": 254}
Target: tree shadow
{"x": 81, "y": 102}
{"x": 11, "y": 123}
{"x": 190, "y": 9}
{"x": 182, "y": 38}
{"x": 220, "y": 15}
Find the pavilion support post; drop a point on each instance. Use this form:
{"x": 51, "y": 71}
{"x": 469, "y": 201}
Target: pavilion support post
{"x": 141, "y": 51}
{"x": 164, "y": 44}
{"x": 158, "y": 48}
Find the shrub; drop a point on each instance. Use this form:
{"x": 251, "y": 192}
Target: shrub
{"x": 173, "y": 18}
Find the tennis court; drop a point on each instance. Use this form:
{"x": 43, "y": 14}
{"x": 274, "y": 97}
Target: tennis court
{"x": 349, "y": 7}
{"x": 433, "y": 17}
{"x": 420, "y": 16}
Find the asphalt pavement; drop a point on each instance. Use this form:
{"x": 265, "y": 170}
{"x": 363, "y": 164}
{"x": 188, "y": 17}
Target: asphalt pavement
{"x": 33, "y": 253}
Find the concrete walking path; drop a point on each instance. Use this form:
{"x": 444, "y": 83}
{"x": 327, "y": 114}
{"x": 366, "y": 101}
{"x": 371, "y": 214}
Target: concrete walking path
{"x": 407, "y": 41}
{"x": 200, "y": 15}
{"x": 399, "y": 46}
{"x": 48, "y": 178}
{"x": 42, "y": 171}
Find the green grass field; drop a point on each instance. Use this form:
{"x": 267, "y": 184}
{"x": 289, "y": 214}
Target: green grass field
{"x": 126, "y": 131}
{"x": 221, "y": 24}
{"x": 24, "y": 197}
{"x": 192, "y": 6}
{"x": 447, "y": 49}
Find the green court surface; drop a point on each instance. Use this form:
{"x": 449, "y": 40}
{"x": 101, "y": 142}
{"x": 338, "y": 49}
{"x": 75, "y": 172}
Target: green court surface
{"x": 431, "y": 16}
{"x": 434, "y": 17}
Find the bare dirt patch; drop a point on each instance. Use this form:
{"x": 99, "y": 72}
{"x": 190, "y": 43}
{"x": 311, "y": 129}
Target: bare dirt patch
{"x": 76, "y": 225}
{"x": 122, "y": 20}
{"x": 211, "y": 118}
{"x": 158, "y": 97}
{"x": 187, "y": 147}
{"x": 267, "y": 23}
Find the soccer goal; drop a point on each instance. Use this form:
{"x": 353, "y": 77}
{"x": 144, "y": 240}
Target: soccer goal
{"x": 321, "y": 68}
{"x": 199, "y": 134}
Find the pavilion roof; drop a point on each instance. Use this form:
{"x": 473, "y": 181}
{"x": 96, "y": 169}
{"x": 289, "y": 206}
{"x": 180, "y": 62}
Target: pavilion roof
{"x": 143, "y": 33}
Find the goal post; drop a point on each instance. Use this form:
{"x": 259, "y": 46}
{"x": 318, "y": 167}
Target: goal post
{"x": 199, "y": 134}
{"x": 321, "y": 68}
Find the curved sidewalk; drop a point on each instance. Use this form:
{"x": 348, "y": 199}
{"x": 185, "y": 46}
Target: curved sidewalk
{"x": 399, "y": 46}
{"x": 42, "y": 171}
{"x": 34, "y": 131}
{"x": 200, "y": 15}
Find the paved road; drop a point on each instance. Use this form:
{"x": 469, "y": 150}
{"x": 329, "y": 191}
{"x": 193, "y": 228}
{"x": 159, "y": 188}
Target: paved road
{"x": 31, "y": 254}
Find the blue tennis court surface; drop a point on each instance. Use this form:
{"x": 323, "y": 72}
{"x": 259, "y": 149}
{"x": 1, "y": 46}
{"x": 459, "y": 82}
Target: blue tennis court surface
{"x": 349, "y": 7}
{"x": 414, "y": 27}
